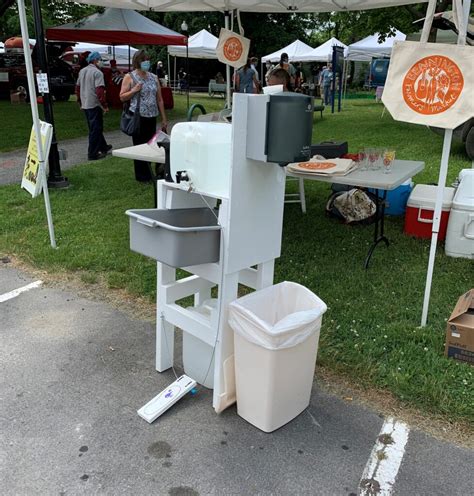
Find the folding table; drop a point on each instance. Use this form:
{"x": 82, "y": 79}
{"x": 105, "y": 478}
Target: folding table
{"x": 146, "y": 153}
{"x": 377, "y": 180}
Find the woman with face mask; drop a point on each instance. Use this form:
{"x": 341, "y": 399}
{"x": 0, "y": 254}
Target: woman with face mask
{"x": 142, "y": 82}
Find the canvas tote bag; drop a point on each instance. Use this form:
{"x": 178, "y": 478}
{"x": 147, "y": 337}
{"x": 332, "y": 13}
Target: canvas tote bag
{"x": 232, "y": 49}
{"x": 430, "y": 83}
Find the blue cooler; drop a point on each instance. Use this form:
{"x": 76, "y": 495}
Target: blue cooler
{"x": 397, "y": 198}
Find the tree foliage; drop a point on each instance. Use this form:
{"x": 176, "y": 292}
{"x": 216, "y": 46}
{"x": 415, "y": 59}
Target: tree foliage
{"x": 352, "y": 26}
{"x": 55, "y": 13}
{"x": 268, "y": 32}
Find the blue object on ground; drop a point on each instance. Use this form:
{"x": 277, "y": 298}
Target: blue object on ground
{"x": 397, "y": 198}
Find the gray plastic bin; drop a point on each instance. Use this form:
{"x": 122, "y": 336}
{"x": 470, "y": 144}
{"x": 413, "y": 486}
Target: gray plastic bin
{"x": 178, "y": 237}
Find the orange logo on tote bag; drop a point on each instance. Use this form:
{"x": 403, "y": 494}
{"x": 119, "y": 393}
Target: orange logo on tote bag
{"x": 233, "y": 49}
{"x": 432, "y": 85}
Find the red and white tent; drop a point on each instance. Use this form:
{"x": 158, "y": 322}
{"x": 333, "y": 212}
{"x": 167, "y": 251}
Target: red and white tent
{"x": 117, "y": 27}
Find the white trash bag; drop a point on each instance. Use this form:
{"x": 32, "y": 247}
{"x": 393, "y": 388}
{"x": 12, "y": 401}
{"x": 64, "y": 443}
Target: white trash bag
{"x": 277, "y": 317}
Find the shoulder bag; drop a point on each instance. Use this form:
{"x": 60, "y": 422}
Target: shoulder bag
{"x": 130, "y": 121}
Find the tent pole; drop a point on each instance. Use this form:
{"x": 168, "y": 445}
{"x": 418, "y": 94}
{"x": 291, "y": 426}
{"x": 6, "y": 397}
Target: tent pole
{"x": 227, "y": 67}
{"x": 129, "y": 58}
{"x": 188, "y": 80}
{"x": 448, "y": 134}
{"x": 55, "y": 179}
{"x": 35, "y": 116}
{"x": 174, "y": 73}
{"x": 169, "y": 72}
{"x": 346, "y": 63}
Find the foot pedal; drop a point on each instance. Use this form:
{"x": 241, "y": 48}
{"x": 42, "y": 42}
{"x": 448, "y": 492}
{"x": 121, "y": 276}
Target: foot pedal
{"x": 166, "y": 399}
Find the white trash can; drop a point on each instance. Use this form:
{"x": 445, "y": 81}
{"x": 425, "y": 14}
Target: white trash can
{"x": 276, "y": 335}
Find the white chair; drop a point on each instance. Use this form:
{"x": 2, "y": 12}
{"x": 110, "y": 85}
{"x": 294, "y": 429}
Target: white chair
{"x": 297, "y": 197}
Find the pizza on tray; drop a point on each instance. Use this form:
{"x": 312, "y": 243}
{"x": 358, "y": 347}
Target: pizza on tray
{"x": 316, "y": 165}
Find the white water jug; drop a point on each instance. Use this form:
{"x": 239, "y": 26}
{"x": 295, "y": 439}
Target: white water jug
{"x": 203, "y": 150}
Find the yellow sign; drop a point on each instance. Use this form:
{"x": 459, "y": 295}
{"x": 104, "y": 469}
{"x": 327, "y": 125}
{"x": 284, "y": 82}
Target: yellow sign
{"x": 32, "y": 180}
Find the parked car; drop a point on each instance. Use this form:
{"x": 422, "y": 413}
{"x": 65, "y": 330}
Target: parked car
{"x": 463, "y": 133}
{"x": 13, "y": 74}
{"x": 378, "y": 73}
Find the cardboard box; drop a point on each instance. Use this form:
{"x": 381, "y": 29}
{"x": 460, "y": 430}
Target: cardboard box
{"x": 17, "y": 97}
{"x": 460, "y": 330}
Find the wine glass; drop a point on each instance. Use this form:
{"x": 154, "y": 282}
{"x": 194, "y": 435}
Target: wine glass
{"x": 388, "y": 158}
{"x": 373, "y": 157}
{"x": 362, "y": 159}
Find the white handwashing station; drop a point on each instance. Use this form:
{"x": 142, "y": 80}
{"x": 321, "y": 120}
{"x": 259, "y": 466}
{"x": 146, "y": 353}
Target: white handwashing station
{"x": 235, "y": 167}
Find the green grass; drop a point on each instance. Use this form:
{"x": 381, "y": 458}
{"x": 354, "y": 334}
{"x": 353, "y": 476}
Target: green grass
{"x": 71, "y": 123}
{"x": 371, "y": 330}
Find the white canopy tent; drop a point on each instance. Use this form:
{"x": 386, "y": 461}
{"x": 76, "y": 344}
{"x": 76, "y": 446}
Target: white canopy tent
{"x": 119, "y": 50}
{"x": 322, "y": 53}
{"x": 294, "y": 50}
{"x": 227, "y": 6}
{"x": 370, "y": 47}
{"x": 283, "y": 6}
{"x": 201, "y": 45}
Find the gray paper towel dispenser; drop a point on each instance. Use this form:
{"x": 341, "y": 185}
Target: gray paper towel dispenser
{"x": 279, "y": 127}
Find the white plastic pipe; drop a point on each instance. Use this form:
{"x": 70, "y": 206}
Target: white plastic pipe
{"x": 35, "y": 116}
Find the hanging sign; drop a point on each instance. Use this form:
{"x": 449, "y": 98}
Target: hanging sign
{"x": 32, "y": 180}
{"x": 430, "y": 84}
{"x": 42, "y": 81}
{"x": 232, "y": 49}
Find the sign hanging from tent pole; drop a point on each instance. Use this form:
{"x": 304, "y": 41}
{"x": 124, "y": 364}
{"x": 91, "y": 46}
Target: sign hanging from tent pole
{"x": 232, "y": 49}
{"x": 33, "y": 177}
{"x": 430, "y": 84}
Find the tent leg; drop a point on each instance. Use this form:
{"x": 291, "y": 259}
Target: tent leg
{"x": 227, "y": 67}
{"x": 448, "y": 135}
{"x": 35, "y": 116}
{"x": 174, "y": 65}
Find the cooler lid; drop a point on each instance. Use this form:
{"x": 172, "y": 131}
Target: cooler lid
{"x": 464, "y": 197}
{"x": 424, "y": 195}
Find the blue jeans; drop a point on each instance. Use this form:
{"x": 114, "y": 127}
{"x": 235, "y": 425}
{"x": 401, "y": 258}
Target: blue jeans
{"x": 327, "y": 94}
{"x": 95, "y": 122}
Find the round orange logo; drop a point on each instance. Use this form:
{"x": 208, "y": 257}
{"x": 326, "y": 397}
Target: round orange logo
{"x": 432, "y": 85}
{"x": 233, "y": 49}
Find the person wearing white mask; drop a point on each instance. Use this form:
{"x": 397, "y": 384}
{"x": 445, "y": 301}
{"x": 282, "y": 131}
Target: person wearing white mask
{"x": 142, "y": 81}
{"x": 90, "y": 92}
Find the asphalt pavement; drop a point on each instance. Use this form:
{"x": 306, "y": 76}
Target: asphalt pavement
{"x": 74, "y": 372}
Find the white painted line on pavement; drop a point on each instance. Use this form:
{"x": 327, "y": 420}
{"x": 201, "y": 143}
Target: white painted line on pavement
{"x": 385, "y": 459}
{"x": 16, "y": 292}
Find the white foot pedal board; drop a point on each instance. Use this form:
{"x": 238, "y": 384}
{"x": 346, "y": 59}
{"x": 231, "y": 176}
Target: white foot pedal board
{"x": 166, "y": 399}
